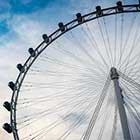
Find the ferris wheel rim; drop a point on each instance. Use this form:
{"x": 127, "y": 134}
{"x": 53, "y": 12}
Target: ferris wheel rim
{"x": 39, "y": 49}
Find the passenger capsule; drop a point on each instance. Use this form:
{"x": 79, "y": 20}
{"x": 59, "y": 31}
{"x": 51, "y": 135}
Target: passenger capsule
{"x": 11, "y": 85}
{"x": 98, "y": 11}
{"x": 7, "y": 105}
{"x": 79, "y": 17}
{"x": 20, "y": 67}
{"x": 45, "y": 38}
{"x": 61, "y": 26}
{"x": 32, "y": 52}
{"x": 119, "y": 6}
{"x": 7, "y": 128}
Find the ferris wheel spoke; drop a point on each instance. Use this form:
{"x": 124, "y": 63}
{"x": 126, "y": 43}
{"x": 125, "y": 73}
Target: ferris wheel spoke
{"x": 66, "y": 52}
{"x": 68, "y": 112}
{"x": 64, "y": 85}
{"x": 71, "y": 99}
{"x": 60, "y": 97}
{"x": 121, "y": 38}
{"x": 73, "y": 73}
{"x": 79, "y": 46}
{"x": 97, "y": 109}
{"x": 130, "y": 97}
{"x": 38, "y": 132}
{"x": 67, "y": 65}
{"x": 77, "y": 96}
{"x": 106, "y": 118}
{"x": 133, "y": 21}
{"x": 104, "y": 42}
{"x": 132, "y": 88}
{"x": 128, "y": 37}
{"x": 130, "y": 94}
{"x": 77, "y": 123}
{"x": 73, "y": 56}
{"x": 41, "y": 131}
{"x": 79, "y": 105}
{"x": 134, "y": 117}
{"x": 136, "y": 56}
{"x": 131, "y": 132}
{"x": 57, "y": 94}
{"x": 115, "y": 40}
{"x": 131, "y": 91}
{"x": 133, "y": 109}
{"x": 108, "y": 40}
{"x": 68, "y": 103}
{"x": 133, "y": 65}
{"x": 84, "y": 50}
{"x": 134, "y": 70}
{"x": 135, "y": 76}
{"x": 132, "y": 48}
{"x": 129, "y": 80}
{"x": 70, "y": 87}
{"x": 94, "y": 44}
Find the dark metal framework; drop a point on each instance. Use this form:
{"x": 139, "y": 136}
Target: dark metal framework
{"x": 49, "y": 39}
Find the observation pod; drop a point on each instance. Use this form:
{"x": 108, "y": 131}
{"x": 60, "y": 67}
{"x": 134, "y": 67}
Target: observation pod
{"x": 32, "y": 52}
{"x": 45, "y": 38}
{"x": 7, "y": 105}
{"x": 11, "y": 85}
{"x": 99, "y": 11}
{"x": 20, "y": 68}
{"x": 119, "y": 6}
{"x": 79, "y": 17}
{"x": 61, "y": 26}
{"x": 7, "y": 127}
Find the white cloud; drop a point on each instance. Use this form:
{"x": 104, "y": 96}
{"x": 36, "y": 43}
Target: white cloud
{"x": 24, "y": 33}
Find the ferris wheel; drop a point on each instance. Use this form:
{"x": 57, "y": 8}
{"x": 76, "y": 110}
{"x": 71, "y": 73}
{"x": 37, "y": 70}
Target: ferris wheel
{"x": 82, "y": 82}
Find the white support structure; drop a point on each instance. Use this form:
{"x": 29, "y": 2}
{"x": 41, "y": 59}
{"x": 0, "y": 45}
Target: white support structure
{"x": 120, "y": 103}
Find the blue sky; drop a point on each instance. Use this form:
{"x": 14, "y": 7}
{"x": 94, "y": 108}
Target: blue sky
{"x": 17, "y": 7}
{"x": 46, "y": 13}
{"x": 11, "y": 8}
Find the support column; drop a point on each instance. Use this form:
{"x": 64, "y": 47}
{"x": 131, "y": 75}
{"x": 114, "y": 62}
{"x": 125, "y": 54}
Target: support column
{"x": 120, "y": 103}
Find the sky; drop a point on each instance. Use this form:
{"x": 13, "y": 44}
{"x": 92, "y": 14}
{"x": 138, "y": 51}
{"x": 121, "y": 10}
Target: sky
{"x": 22, "y": 23}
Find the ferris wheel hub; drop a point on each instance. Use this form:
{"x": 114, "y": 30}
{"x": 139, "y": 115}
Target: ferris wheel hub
{"x": 113, "y": 73}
